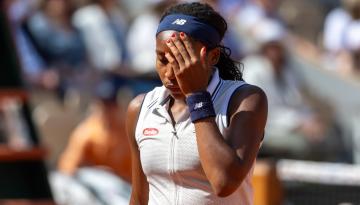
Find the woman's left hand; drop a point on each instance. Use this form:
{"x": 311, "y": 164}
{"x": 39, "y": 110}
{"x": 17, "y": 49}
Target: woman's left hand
{"x": 189, "y": 63}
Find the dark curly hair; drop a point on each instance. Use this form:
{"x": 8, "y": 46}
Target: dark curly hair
{"x": 228, "y": 68}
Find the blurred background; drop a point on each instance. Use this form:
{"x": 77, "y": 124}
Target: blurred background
{"x": 72, "y": 66}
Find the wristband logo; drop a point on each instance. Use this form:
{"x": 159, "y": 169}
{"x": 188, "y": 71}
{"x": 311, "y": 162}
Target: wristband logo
{"x": 179, "y": 22}
{"x": 198, "y": 105}
{"x": 150, "y": 131}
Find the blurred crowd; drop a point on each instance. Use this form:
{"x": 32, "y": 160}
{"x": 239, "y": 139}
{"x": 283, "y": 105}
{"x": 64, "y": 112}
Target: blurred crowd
{"x": 92, "y": 56}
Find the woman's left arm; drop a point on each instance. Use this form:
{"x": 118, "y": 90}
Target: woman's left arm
{"x": 227, "y": 159}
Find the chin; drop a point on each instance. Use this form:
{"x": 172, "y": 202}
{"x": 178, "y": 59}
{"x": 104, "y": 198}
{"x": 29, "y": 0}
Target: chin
{"x": 178, "y": 96}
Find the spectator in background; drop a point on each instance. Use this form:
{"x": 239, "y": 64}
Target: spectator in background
{"x": 295, "y": 129}
{"x": 32, "y": 63}
{"x": 103, "y": 26}
{"x": 342, "y": 38}
{"x": 100, "y": 139}
{"x": 249, "y": 14}
{"x": 54, "y": 35}
{"x": 60, "y": 45}
{"x": 100, "y": 142}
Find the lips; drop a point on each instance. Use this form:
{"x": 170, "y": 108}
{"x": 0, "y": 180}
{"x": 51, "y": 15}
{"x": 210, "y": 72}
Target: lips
{"x": 174, "y": 90}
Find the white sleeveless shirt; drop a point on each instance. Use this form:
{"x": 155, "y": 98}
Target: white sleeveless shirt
{"x": 169, "y": 155}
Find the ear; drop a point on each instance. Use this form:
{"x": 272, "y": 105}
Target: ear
{"x": 213, "y": 56}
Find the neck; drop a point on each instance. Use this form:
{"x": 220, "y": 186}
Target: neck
{"x": 177, "y": 107}
{"x": 177, "y": 102}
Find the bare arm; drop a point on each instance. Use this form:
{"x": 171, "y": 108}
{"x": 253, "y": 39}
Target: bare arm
{"x": 140, "y": 187}
{"x": 226, "y": 160}
{"x": 75, "y": 152}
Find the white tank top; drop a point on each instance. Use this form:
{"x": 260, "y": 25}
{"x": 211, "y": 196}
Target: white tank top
{"x": 169, "y": 155}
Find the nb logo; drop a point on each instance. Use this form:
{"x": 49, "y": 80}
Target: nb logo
{"x": 198, "y": 105}
{"x": 179, "y": 22}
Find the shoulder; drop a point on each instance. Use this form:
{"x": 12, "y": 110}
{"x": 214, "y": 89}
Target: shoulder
{"x": 135, "y": 104}
{"x": 248, "y": 98}
{"x": 151, "y": 96}
{"x": 132, "y": 116}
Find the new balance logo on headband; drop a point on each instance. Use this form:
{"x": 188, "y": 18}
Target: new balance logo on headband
{"x": 192, "y": 26}
{"x": 179, "y": 22}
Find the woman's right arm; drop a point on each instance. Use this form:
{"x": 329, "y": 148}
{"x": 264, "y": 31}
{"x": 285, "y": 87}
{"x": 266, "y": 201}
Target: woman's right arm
{"x": 140, "y": 186}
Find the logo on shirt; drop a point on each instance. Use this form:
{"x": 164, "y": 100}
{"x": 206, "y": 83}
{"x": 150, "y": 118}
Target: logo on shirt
{"x": 179, "y": 22}
{"x": 150, "y": 131}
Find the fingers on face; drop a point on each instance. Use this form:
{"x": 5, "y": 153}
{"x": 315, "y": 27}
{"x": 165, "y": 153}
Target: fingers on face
{"x": 176, "y": 50}
{"x": 183, "y": 50}
{"x": 173, "y": 62}
{"x": 188, "y": 45}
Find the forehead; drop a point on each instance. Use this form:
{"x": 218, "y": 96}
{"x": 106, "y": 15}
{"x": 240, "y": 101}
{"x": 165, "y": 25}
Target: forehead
{"x": 164, "y": 35}
{"x": 161, "y": 39}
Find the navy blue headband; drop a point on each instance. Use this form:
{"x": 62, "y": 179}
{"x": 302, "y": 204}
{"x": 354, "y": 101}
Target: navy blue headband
{"x": 192, "y": 26}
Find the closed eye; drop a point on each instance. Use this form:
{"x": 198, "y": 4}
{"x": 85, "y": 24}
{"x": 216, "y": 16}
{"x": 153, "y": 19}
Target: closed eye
{"x": 163, "y": 60}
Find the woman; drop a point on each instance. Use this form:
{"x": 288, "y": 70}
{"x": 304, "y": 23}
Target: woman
{"x": 195, "y": 139}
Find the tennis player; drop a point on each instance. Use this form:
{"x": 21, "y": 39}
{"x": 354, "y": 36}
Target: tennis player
{"x": 195, "y": 139}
